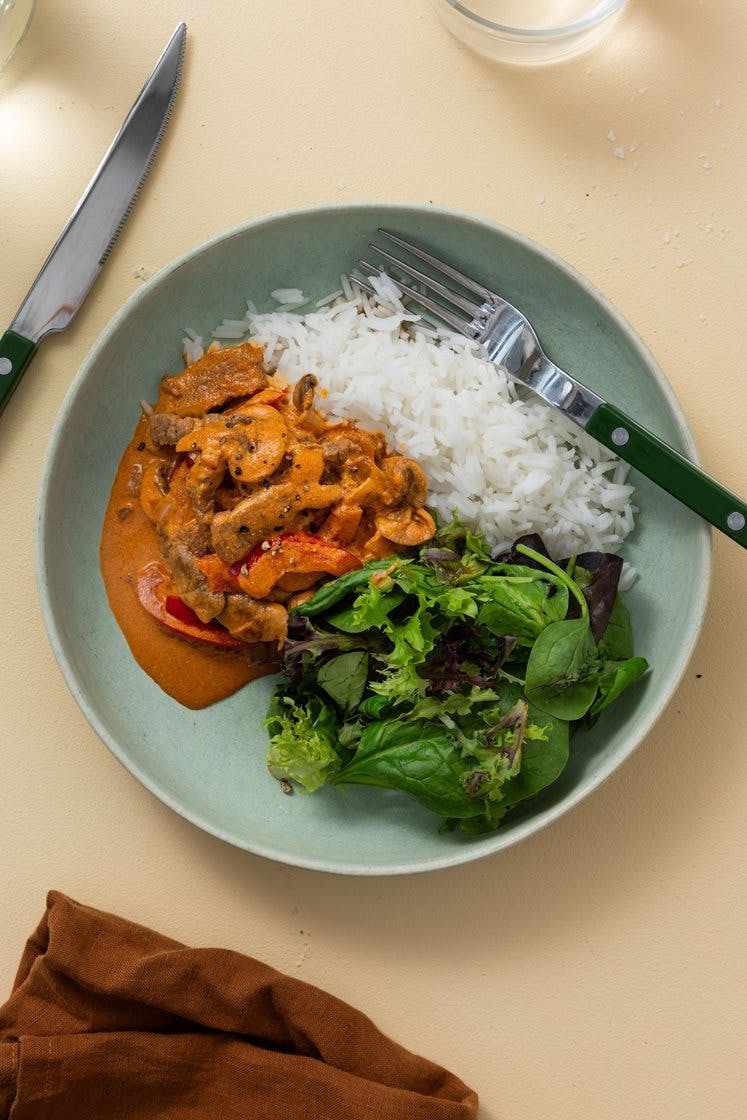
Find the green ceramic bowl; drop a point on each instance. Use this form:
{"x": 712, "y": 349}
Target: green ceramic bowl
{"x": 209, "y": 766}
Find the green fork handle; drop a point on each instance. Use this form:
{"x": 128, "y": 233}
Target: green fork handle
{"x": 670, "y": 470}
{"x": 15, "y": 354}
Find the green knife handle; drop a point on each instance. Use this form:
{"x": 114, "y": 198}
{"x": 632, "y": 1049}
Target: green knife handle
{"x": 670, "y": 470}
{"x": 15, "y": 354}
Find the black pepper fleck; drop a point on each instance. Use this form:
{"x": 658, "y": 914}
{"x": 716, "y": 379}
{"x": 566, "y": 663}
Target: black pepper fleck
{"x": 243, "y": 528}
{"x": 237, "y": 470}
{"x": 266, "y": 483}
{"x": 141, "y": 445}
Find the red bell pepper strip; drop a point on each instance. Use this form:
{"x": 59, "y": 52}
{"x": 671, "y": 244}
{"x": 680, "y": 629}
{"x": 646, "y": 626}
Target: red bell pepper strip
{"x": 289, "y": 554}
{"x": 157, "y": 595}
{"x": 217, "y": 573}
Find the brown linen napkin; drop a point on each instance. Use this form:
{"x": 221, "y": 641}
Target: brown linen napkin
{"x": 110, "y": 1020}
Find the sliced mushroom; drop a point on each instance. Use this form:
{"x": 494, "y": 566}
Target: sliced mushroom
{"x": 300, "y": 409}
{"x": 406, "y": 482}
{"x": 249, "y": 445}
{"x": 406, "y": 526}
{"x": 303, "y": 393}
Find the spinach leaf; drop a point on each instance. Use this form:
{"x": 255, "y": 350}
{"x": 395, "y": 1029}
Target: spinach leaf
{"x": 374, "y": 706}
{"x": 416, "y": 757}
{"x": 344, "y": 678}
{"x": 543, "y": 759}
{"x": 307, "y": 645}
{"x": 617, "y": 643}
{"x": 563, "y": 668}
{"x": 615, "y": 678}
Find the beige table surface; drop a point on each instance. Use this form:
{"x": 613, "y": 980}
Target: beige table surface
{"x": 596, "y": 971}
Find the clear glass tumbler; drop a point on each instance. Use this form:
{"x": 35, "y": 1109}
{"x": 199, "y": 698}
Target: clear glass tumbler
{"x": 528, "y": 31}
{"x": 15, "y": 17}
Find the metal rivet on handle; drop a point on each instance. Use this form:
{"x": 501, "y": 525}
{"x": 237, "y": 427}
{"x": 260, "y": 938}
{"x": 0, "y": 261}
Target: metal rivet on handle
{"x": 736, "y": 521}
{"x": 620, "y": 437}
{"x": 6, "y": 367}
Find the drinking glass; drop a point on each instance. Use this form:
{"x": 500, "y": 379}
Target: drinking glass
{"x": 15, "y": 17}
{"x": 528, "y": 31}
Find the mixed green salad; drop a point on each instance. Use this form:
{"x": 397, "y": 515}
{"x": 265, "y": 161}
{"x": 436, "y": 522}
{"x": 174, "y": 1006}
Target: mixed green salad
{"x": 452, "y": 676}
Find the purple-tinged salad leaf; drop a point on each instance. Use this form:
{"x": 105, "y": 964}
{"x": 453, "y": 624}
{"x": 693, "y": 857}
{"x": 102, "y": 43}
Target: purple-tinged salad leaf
{"x": 598, "y": 576}
{"x": 453, "y": 677}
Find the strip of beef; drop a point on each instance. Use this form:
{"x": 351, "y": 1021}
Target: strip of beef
{"x": 255, "y": 621}
{"x": 213, "y": 380}
{"x": 192, "y": 585}
{"x": 166, "y": 430}
{"x": 274, "y": 509}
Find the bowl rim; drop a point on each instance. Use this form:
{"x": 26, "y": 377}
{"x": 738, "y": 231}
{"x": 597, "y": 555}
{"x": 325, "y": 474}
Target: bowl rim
{"x": 491, "y": 843}
{"x": 539, "y": 34}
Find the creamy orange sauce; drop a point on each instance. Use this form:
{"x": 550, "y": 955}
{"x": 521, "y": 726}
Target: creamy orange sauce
{"x": 225, "y": 518}
{"x": 193, "y": 673}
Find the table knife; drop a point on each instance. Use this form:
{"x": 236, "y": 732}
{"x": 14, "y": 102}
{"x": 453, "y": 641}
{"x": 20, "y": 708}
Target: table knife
{"x": 86, "y": 241}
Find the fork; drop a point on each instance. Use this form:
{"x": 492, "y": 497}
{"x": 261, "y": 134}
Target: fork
{"x": 509, "y": 340}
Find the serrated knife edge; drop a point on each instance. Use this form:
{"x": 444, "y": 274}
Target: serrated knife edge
{"x": 76, "y": 260}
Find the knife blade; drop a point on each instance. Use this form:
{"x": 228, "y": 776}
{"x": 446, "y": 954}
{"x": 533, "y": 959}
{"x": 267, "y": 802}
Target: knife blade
{"x": 82, "y": 248}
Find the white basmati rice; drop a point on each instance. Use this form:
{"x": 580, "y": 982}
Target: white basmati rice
{"x": 504, "y": 462}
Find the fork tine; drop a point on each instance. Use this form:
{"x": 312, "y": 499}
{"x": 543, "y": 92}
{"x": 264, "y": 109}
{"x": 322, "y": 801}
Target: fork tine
{"x": 463, "y": 326}
{"x": 472, "y": 309}
{"x": 364, "y": 284}
{"x": 441, "y": 266}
